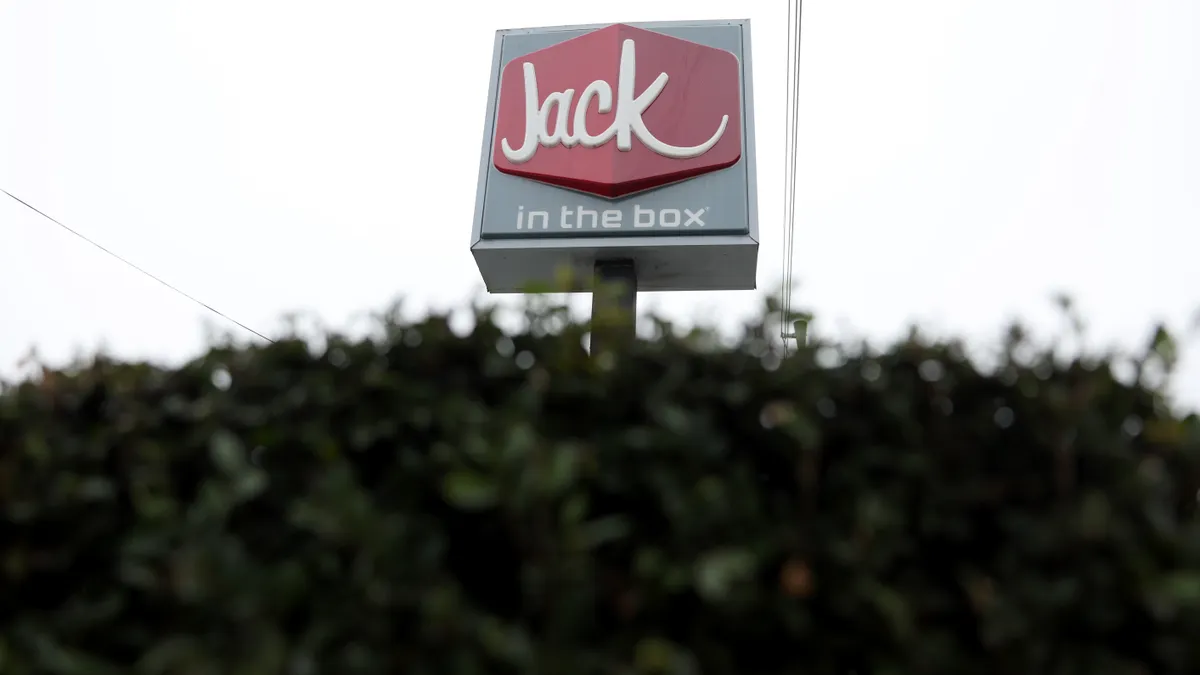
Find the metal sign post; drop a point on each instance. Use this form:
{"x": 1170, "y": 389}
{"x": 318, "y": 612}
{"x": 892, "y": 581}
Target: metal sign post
{"x": 614, "y": 305}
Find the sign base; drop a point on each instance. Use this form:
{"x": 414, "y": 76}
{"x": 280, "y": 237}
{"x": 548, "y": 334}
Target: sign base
{"x": 724, "y": 263}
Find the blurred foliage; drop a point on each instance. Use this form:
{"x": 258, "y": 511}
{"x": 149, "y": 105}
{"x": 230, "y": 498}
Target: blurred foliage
{"x": 426, "y": 503}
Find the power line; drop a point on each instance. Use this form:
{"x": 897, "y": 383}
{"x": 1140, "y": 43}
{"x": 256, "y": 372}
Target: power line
{"x": 787, "y": 144}
{"x": 791, "y": 143}
{"x": 794, "y": 149}
{"x": 75, "y": 232}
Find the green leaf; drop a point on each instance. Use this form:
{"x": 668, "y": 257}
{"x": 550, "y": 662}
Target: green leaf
{"x": 656, "y": 655}
{"x": 227, "y": 452}
{"x": 604, "y": 530}
{"x": 470, "y": 491}
{"x": 719, "y": 571}
{"x": 1184, "y": 589}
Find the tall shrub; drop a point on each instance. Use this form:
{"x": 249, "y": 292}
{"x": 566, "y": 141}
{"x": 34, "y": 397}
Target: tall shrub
{"x": 427, "y": 503}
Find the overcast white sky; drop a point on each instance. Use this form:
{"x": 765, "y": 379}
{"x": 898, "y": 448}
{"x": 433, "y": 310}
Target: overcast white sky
{"x": 959, "y": 162}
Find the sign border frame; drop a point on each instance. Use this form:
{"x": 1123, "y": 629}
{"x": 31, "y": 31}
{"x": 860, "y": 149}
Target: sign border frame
{"x": 737, "y": 252}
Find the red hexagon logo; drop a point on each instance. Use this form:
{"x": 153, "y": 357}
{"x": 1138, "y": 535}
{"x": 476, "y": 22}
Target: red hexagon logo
{"x": 617, "y": 111}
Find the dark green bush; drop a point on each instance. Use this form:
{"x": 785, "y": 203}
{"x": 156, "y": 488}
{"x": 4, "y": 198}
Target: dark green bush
{"x": 426, "y": 503}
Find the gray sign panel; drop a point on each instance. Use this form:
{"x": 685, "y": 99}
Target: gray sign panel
{"x": 697, "y": 233}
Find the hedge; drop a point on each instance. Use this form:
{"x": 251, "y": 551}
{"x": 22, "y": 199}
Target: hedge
{"x": 424, "y": 502}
